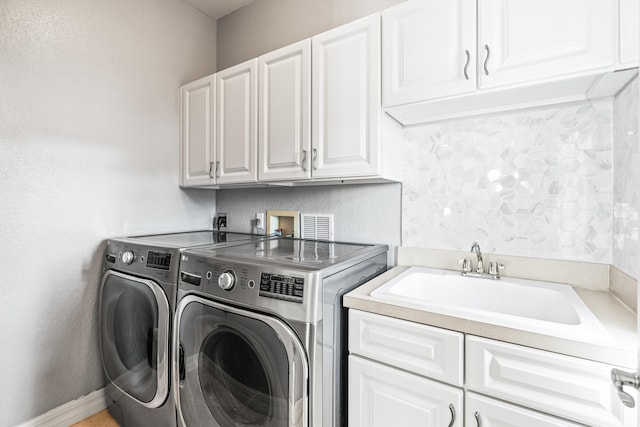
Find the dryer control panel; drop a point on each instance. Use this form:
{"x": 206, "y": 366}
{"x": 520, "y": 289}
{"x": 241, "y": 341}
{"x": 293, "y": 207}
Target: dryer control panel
{"x": 277, "y": 286}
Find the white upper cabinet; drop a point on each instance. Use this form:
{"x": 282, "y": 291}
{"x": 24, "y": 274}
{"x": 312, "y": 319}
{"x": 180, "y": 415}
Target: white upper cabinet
{"x": 429, "y": 50}
{"x": 284, "y": 137}
{"x": 197, "y": 152}
{"x": 524, "y": 41}
{"x": 524, "y": 54}
{"x": 236, "y": 122}
{"x": 346, "y": 101}
{"x": 628, "y": 33}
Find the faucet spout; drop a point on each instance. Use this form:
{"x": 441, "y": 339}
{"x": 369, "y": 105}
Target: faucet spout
{"x": 475, "y": 248}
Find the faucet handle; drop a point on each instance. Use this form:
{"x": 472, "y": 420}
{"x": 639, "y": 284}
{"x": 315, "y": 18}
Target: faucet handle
{"x": 466, "y": 264}
{"x": 494, "y": 268}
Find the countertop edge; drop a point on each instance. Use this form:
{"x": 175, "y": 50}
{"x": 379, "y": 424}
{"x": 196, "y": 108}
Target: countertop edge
{"x": 616, "y": 318}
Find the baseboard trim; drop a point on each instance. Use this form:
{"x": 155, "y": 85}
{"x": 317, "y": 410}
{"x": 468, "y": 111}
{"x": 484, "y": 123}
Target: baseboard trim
{"x": 71, "y": 412}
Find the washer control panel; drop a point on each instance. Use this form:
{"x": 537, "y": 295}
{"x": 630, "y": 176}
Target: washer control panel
{"x": 277, "y": 286}
{"x": 146, "y": 261}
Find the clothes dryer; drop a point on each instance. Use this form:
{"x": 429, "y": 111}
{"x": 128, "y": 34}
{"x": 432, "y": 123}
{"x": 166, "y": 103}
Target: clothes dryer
{"x": 137, "y": 302}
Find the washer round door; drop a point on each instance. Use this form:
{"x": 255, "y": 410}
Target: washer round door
{"x": 237, "y": 368}
{"x": 134, "y": 337}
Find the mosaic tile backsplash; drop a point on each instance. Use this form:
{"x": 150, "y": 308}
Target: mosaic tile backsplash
{"x": 626, "y": 179}
{"x": 536, "y": 183}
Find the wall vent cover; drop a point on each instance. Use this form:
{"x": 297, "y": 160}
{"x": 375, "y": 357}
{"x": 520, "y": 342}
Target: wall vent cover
{"x": 317, "y": 226}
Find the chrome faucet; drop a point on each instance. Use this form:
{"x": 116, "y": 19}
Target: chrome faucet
{"x": 493, "y": 272}
{"x": 475, "y": 248}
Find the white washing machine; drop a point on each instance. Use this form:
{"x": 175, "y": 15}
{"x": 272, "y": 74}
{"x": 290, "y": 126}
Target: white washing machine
{"x": 259, "y": 334}
{"x": 137, "y": 302}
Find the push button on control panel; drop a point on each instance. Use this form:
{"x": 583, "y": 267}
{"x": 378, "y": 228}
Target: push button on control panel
{"x": 277, "y": 286}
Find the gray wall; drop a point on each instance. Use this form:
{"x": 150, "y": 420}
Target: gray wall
{"x": 89, "y": 127}
{"x": 265, "y": 25}
{"x": 362, "y": 212}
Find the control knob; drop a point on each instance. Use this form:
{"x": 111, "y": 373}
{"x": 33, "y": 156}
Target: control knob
{"x": 128, "y": 257}
{"x": 227, "y": 280}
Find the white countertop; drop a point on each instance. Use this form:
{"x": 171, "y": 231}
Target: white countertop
{"x": 617, "y": 319}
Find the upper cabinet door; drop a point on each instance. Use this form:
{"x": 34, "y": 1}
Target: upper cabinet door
{"x": 429, "y": 50}
{"x": 628, "y": 33}
{"x": 285, "y": 113}
{"x": 520, "y": 41}
{"x": 347, "y": 100}
{"x": 197, "y": 153}
{"x": 236, "y": 120}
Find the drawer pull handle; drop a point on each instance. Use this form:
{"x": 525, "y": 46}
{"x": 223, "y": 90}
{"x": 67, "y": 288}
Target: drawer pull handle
{"x": 621, "y": 379}
{"x": 314, "y": 159}
{"x": 466, "y": 64}
{"x": 304, "y": 160}
{"x": 210, "y": 169}
{"x": 477, "y": 415}
{"x": 218, "y": 169}
{"x": 486, "y": 60}
{"x": 453, "y": 414}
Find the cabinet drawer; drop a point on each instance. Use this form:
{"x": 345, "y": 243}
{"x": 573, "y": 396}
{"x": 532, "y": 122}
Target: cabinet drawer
{"x": 560, "y": 385}
{"x": 381, "y": 396}
{"x": 425, "y": 350}
{"x": 487, "y": 412}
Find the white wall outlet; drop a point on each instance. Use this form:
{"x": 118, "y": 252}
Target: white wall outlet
{"x": 259, "y": 219}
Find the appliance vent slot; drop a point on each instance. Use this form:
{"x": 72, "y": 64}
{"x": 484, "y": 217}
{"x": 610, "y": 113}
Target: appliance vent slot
{"x": 317, "y": 226}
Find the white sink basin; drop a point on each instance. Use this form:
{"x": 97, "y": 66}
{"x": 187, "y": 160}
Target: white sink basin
{"x": 542, "y": 307}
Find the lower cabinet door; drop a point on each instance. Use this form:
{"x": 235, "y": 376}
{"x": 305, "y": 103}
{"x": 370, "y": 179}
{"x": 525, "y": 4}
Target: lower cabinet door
{"x": 483, "y": 411}
{"x": 564, "y": 386}
{"x": 382, "y": 396}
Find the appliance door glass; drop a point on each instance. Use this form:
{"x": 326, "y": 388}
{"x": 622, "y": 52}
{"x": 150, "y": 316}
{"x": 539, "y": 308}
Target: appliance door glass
{"x": 237, "y": 368}
{"x": 134, "y": 337}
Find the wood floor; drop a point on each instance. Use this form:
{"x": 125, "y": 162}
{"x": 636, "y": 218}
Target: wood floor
{"x": 101, "y": 419}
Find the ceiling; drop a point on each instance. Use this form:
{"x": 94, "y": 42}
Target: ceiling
{"x": 218, "y": 8}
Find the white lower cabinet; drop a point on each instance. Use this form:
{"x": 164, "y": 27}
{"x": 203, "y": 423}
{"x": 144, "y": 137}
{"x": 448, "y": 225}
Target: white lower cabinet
{"x": 382, "y": 396}
{"x": 481, "y": 411}
{"x": 431, "y": 352}
{"x": 401, "y": 394}
{"x": 404, "y": 373}
{"x": 573, "y": 388}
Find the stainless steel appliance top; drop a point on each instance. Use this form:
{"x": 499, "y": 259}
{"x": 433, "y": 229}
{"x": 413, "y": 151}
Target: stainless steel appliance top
{"x": 193, "y": 238}
{"x": 293, "y": 253}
